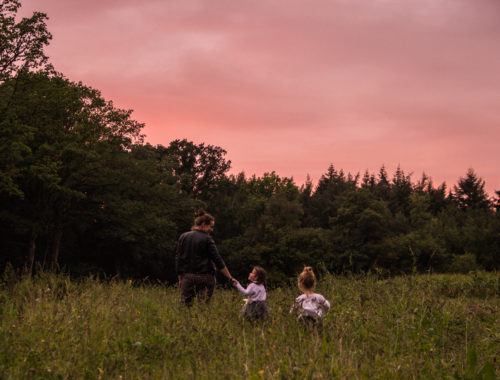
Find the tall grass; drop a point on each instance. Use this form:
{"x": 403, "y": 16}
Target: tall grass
{"x": 429, "y": 326}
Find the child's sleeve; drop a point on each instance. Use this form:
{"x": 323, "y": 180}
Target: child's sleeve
{"x": 246, "y": 292}
{"x": 324, "y": 302}
{"x": 295, "y": 305}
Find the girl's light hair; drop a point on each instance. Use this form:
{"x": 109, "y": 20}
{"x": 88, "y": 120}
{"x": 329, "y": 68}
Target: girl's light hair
{"x": 307, "y": 279}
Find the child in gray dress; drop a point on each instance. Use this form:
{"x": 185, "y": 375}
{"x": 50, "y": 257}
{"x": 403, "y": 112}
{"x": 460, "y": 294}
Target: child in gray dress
{"x": 256, "y": 307}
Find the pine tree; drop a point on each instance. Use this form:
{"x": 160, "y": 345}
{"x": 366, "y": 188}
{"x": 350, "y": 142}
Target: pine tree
{"x": 470, "y": 193}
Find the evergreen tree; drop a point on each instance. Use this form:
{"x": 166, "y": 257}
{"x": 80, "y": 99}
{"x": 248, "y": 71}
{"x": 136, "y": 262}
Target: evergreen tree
{"x": 470, "y": 193}
{"x": 383, "y": 187}
{"x": 360, "y": 230}
{"x": 332, "y": 187}
{"x": 368, "y": 181}
{"x": 401, "y": 190}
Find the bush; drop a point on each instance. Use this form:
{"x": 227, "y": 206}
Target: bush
{"x": 464, "y": 264}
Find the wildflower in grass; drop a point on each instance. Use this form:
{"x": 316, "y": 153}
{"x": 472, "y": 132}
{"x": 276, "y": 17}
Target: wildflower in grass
{"x": 137, "y": 311}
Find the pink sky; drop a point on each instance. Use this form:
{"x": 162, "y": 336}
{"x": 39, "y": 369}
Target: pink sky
{"x": 295, "y": 85}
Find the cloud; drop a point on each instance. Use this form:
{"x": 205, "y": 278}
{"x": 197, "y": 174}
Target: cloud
{"x": 291, "y": 85}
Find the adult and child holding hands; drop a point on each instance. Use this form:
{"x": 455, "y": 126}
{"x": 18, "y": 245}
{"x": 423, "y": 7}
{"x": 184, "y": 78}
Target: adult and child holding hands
{"x": 197, "y": 260}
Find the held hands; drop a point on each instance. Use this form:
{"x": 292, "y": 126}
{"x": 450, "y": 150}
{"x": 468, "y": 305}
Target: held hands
{"x": 180, "y": 281}
{"x": 234, "y": 281}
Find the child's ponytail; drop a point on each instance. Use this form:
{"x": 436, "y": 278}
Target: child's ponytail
{"x": 307, "y": 279}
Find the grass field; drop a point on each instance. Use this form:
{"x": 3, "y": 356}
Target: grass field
{"x": 423, "y": 326}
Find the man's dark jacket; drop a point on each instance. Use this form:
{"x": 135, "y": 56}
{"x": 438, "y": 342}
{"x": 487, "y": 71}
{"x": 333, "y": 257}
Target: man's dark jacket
{"x": 197, "y": 253}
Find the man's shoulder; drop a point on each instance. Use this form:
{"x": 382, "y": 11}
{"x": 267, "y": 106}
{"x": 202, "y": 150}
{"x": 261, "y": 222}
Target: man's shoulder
{"x": 184, "y": 235}
{"x": 195, "y": 235}
{"x": 192, "y": 233}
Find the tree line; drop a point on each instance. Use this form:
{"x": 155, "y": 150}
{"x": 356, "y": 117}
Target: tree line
{"x": 81, "y": 190}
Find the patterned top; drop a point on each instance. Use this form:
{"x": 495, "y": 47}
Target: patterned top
{"x": 254, "y": 291}
{"x": 310, "y": 305}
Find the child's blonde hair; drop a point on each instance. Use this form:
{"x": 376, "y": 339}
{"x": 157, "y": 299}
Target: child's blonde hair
{"x": 307, "y": 279}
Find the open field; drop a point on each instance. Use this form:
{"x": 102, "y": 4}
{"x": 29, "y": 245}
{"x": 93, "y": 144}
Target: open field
{"x": 425, "y": 326}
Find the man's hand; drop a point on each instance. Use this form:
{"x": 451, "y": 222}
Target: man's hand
{"x": 180, "y": 280}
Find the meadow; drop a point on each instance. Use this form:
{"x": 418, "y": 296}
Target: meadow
{"x": 409, "y": 327}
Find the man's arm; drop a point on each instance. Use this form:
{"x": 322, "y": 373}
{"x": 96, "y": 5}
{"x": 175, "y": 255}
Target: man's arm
{"x": 214, "y": 255}
{"x": 177, "y": 257}
{"x": 226, "y": 273}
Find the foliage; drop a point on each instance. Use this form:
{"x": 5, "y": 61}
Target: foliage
{"x": 81, "y": 189}
{"x": 76, "y": 167}
{"x": 21, "y": 43}
{"x": 324, "y": 201}
{"x": 197, "y": 167}
{"x": 470, "y": 193}
{"x": 407, "y": 327}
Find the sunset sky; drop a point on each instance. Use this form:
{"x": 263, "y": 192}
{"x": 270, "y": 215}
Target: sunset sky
{"x": 293, "y": 85}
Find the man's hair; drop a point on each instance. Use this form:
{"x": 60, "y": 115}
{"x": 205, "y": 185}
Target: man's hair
{"x": 307, "y": 279}
{"x": 202, "y": 217}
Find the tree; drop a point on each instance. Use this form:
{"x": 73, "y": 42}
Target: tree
{"x": 439, "y": 201}
{"x": 401, "y": 190}
{"x": 198, "y": 168}
{"x": 368, "y": 182}
{"x": 52, "y": 136}
{"x": 132, "y": 214}
{"x": 21, "y": 43}
{"x": 332, "y": 187}
{"x": 257, "y": 213}
{"x": 306, "y": 192}
{"x": 422, "y": 247}
{"x": 359, "y": 231}
{"x": 469, "y": 193}
{"x": 383, "y": 187}
{"x": 497, "y": 202}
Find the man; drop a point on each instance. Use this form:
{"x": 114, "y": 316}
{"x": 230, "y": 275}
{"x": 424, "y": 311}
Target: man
{"x": 197, "y": 259}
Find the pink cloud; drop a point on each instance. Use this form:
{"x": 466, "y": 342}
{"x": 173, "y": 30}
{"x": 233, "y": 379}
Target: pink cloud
{"x": 292, "y": 86}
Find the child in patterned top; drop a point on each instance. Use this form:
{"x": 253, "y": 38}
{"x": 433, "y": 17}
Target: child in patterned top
{"x": 256, "y": 306}
{"x": 309, "y": 305}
